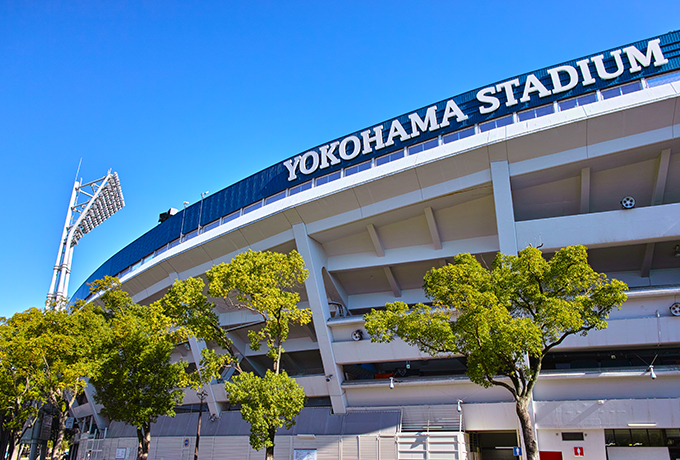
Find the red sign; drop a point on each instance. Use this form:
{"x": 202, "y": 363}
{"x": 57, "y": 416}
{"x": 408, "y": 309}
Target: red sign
{"x": 578, "y": 451}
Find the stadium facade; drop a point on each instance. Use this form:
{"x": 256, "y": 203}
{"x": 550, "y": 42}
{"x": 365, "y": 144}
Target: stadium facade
{"x": 585, "y": 152}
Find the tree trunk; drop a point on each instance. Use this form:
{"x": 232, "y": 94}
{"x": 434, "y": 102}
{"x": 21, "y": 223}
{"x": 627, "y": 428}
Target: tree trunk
{"x": 14, "y": 447}
{"x": 4, "y": 436}
{"x": 198, "y": 429}
{"x": 61, "y": 421}
{"x": 270, "y": 449}
{"x": 522, "y": 407}
{"x": 144, "y": 438}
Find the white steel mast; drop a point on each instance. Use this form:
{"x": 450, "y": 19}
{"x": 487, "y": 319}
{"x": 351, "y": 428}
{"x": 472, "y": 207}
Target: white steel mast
{"x": 91, "y": 204}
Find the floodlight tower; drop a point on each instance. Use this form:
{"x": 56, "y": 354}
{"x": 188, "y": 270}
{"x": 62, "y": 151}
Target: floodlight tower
{"x": 91, "y": 204}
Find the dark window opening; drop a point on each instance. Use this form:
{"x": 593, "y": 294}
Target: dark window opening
{"x": 295, "y": 363}
{"x": 574, "y": 436}
{"x": 399, "y": 369}
{"x": 318, "y": 401}
{"x": 611, "y": 359}
{"x": 190, "y": 408}
{"x": 640, "y": 438}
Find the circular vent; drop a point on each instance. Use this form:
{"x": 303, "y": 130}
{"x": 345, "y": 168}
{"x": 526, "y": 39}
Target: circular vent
{"x": 675, "y": 309}
{"x": 628, "y": 202}
{"x": 357, "y": 335}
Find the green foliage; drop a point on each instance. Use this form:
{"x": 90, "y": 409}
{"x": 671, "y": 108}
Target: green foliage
{"x": 525, "y": 305}
{"x": 112, "y": 297}
{"x": 136, "y": 382}
{"x": 45, "y": 356}
{"x": 506, "y": 319}
{"x": 19, "y": 373}
{"x": 193, "y": 316}
{"x": 192, "y": 313}
{"x": 264, "y": 282}
{"x": 267, "y": 403}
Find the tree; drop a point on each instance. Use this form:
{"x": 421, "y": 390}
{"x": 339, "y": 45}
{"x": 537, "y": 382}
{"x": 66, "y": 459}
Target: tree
{"x": 20, "y": 395}
{"x": 65, "y": 343}
{"x": 193, "y": 315}
{"x": 46, "y": 356}
{"x": 506, "y": 319}
{"x": 267, "y": 403}
{"x": 264, "y": 283}
{"x": 136, "y": 382}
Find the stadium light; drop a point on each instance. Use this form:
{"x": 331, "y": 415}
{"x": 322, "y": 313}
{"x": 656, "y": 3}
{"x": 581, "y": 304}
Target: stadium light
{"x": 91, "y": 204}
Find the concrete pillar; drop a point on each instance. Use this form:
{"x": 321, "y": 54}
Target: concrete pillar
{"x": 505, "y": 213}
{"x": 315, "y": 261}
{"x": 196, "y": 348}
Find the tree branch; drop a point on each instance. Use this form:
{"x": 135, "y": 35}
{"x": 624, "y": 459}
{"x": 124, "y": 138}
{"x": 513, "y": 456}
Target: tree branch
{"x": 502, "y": 384}
{"x": 561, "y": 339}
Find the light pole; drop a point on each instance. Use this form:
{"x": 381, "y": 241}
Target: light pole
{"x": 201, "y": 396}
{"x": 200, "y": 212}
{"x": 91, "y": 204}
{"x": 181, "y": 228}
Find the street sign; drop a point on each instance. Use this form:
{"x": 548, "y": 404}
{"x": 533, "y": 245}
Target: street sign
{"x": 46, "y": 428}
{"x": 578, "y": 451}
{"x": 186, "y": 442}
{"x": 517, "y": 451}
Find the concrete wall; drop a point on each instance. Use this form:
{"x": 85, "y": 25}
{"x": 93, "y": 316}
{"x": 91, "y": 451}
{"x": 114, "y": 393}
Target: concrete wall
{"x": 616, "y": 413}
{"x": 592, "y": 444}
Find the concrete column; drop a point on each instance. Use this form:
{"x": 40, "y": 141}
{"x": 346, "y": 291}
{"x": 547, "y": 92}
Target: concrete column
{"x": 98, "y": 419}
{"x": 585, "y": 191}
{"x": 663, "y": 163}
{"x": 196, "y": 348}
{"x": 315, "y": 261}
{"x": 505, "y": 213}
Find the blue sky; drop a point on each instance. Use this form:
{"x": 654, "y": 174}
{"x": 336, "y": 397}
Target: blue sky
{"x": 180, "y": 97}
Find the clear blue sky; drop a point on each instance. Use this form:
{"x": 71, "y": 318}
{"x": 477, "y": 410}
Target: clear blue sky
{"x": 180, "y": 97}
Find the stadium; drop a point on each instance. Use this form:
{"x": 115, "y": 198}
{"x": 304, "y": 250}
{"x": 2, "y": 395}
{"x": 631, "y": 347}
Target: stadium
{"x": 584, "y": 152}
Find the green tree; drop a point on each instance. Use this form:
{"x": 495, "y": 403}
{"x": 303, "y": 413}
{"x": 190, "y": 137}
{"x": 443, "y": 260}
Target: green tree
{"x": 66, "y": 343}
{"x": 267, "y": 403}
{"x": 193, "y": 315}
{"x": 48, "y": 355}
{"x": 136, "y": 382}
{"x": 506, "y": 319}
{"x": 265, "y": 283}
{"x": 20, "y": 395}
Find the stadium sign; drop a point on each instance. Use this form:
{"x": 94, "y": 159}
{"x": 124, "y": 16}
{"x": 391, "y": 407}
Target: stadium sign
{"x": 566, "y": 80}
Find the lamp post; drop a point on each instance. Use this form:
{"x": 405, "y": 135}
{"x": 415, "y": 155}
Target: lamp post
{"x": 91, "y": 204}
{"x": 201, "y": 396}
{"x": 181, "y": 227}
{"x": 200, "y": 212}
{"x": 460, "y": 415}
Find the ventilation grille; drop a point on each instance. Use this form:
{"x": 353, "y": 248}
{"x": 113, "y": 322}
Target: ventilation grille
{"x": 430, "y": 418}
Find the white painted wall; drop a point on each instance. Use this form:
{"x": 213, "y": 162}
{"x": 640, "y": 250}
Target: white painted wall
{"x": 489, "y": 417}
{"x": 614, "y": 413}
{"x": 593, "y": 444}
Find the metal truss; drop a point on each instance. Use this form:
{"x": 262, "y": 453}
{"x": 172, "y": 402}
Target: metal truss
{"x": 91, "y": 204}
